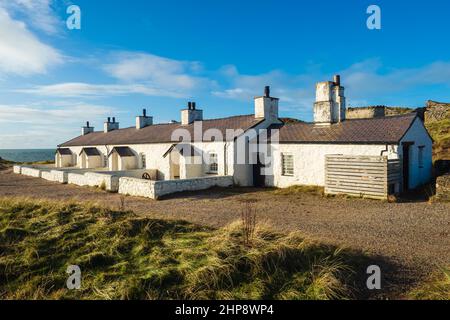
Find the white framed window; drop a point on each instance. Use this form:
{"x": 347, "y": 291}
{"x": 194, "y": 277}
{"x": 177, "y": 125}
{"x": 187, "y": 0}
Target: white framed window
{"x": 287, "y": 164}
{"x": 421, "y": 150}
{"x": 213, "y": 163}
{"x": 143, "y": 161}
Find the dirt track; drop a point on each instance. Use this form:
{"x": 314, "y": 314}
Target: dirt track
{"x": 413, "y": 236}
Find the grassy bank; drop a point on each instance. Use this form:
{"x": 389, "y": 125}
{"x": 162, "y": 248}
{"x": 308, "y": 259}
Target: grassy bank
{"x": 4, "y": 164}
{"x": 122, "y": 256}
{"x": 436, "y": 288}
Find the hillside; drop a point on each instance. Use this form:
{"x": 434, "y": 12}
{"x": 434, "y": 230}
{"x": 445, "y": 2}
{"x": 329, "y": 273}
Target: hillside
{"x": 4, "y": 164}
{"x": 437, "y": 121}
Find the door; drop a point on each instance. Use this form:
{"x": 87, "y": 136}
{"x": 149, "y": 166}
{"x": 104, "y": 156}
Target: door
{"x": 406, "y": 161}
{"x": 258, "y": 177}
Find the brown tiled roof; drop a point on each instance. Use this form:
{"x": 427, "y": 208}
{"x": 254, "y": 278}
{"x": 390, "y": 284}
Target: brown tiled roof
{"x": 159, "y": 133}
{"x": 374, "y": 130}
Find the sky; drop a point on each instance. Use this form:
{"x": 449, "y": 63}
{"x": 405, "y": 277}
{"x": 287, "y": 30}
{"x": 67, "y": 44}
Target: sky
{"x": 130, "y": 55}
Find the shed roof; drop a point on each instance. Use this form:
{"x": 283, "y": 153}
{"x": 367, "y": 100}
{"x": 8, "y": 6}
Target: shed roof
{"x": 90, "y": 152}
{"x": 64, "y": 151}
{"x": 185, "y": 149}
{"x": 123, "y": 151}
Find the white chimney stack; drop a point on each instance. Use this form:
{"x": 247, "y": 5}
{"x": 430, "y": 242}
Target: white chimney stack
{"x": 110, "y": 125}
{"x": 86, "y": 129}
{"x": 266, "y": 106}
{"x": 330, "y": 104}
{"x": 191, "y": 114}
{"x": 144, "y": 120}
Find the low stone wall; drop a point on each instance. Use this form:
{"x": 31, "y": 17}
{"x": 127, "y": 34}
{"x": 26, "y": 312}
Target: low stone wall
{"x": 109, "y": 182}
{"x": 17, "y": 169}
{"x": 157, "y": 189}
{"x": 76, "y": 179}
{"x": 31, "y": 172}
{"x": 55, "y": 175}
{"x": 93, "y": 179}
{"x": 137, "y": 187}
{"x": 443, "y": 188}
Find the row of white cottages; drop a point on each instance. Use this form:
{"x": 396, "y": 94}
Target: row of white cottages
{"x": 297, "y": 153}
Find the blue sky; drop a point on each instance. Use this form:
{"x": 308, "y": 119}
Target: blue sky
{"x": 161, "y": 54}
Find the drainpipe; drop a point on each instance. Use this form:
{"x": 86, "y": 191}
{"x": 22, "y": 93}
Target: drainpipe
{"x": 225, "y": 163}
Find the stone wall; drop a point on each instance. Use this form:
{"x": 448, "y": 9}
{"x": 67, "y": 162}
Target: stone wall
{"x": 31, "y": 172}
{"x": 137, "y": 187}
{"x": 436, "y": 111}
{"x": 157, "y": 189}
{"x": 365, "y": 112}
{"x": 93, "y": 179}
{"x": 443, "y": 187}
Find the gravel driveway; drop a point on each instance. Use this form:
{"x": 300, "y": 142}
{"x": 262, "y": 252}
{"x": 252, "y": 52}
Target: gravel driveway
{"x": 415, "y": 236}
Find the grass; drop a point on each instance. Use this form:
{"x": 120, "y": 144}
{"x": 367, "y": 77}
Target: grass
{"x": 5, "y": 164}
{"x": 299, "y": 189}
{"x": 440, "y": 132}
{"x": 123, "y": 256}
{"x": 436, "y": 288}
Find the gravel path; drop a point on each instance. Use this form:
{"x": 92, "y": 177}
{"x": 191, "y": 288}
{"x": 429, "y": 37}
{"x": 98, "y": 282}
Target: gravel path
{"x": 415, "y": 236}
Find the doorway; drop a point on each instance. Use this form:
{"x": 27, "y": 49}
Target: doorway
{"x": 406, "y": 162}
{"x": 258, "y": 177}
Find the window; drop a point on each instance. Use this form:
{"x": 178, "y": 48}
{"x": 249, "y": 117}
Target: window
{"x": 287, "y": 164}
{"x": 421, "y": 149}
{"x": 143, "y": 161}
{"x": 105, "y": 161}
{"x": 213, "y": 164}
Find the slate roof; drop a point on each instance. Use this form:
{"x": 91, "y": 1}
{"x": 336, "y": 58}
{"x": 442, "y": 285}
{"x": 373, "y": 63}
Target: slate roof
{"x": 373, "y": 130}
{"x": 123, "y": 151}
{"x": 64, "y": 151}
{"x": 90, "y": 152}
{"x": 159, "y": 133}
{"x": 184, "y": 147}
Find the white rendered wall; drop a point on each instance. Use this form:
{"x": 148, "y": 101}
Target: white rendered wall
{"x": 309, "y": 161}
{"x": 418, "y": 134}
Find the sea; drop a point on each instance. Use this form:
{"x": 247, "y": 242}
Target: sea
{"x": 27, "y": 155}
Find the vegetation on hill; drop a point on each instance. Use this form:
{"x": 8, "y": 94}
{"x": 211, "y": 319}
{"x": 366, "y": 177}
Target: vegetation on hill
{"x": 4, "y": 164}
{"x": 123, "y": 256}
{"x": 437, "y": 121}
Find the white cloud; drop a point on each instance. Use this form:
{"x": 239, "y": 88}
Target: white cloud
{"x": 38, "y": 13}
{"x": 44, "y": 124}
{"x": 21, "y": 53}
{"x": 40, "y": 115}
{"x": 366, "y": 82}
{"x": 158, "y": 71}
{"x": 76, "y": 89}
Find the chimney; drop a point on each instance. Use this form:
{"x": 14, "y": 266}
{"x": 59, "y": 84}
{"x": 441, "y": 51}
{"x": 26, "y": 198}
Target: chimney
{"x": 266, "y": 106}
{"x": 86, "y": 129}
{"x": 110, "y": 125}
{"x": 191, "y": 114}
{"x": 330, "y": 102}
{"x": 143, "y": 121}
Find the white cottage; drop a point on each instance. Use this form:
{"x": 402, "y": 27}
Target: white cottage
{"x": 399, "y": 145}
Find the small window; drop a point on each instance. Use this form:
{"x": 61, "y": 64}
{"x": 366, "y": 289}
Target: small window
{"x": 287, "y": 164}
{"x": 421, "y": 149}
{"x": 143, "y": 161}
{"x": 213, "y": 163}
{"x": 105, "y": 161}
